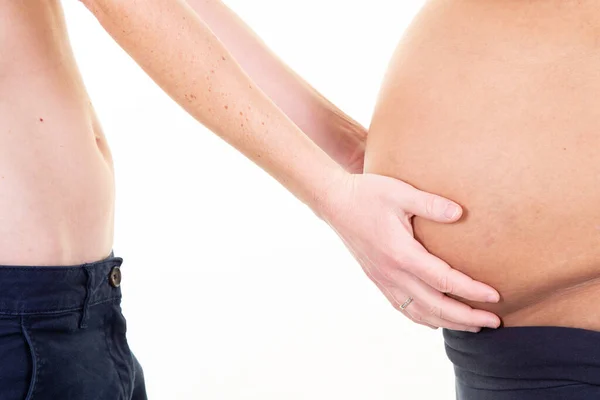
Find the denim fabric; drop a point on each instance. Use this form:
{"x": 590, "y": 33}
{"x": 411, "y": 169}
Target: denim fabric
{"x": 525, "y": 363}
{"x": 63, "y": 336}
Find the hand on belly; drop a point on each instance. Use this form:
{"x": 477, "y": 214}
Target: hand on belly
{"x": 372, "y": 214}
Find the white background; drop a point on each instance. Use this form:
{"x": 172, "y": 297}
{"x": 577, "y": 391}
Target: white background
{"x": 233, "y": 288}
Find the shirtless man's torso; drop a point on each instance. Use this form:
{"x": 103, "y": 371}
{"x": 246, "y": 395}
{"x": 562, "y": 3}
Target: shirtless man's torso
{"x": 57, "y": 202}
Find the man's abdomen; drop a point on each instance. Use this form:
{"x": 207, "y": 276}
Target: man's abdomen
{"x": 494, "y": 105}
{"x": 56, "y": 177}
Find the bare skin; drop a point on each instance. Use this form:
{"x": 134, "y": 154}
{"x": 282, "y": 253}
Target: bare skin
{"x": 57, "y": 203}
{"x": 56, "y": 174}
{"x": 494, "y": 105}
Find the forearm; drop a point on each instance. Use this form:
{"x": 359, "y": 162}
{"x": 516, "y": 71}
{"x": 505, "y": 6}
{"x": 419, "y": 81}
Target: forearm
{"x": 180, "y": 53}
{"x": 330, "y": 128}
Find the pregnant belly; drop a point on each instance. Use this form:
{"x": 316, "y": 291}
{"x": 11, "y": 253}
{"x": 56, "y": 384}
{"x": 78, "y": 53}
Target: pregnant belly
{"x": 495, "y": 107}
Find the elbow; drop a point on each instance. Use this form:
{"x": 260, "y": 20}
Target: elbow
{"x": 87, "y": 3}
{"x": 90, "y": 5}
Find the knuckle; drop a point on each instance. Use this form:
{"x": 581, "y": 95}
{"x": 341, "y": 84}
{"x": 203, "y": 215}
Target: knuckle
{"x": 430, "y": 202}
{"x": 444, "y": 284}
{"x": 436, "y": 311}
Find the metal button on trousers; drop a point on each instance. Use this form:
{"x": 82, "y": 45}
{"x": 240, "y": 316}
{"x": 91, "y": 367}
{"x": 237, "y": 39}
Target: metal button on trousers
{"x": 115, "y": 277}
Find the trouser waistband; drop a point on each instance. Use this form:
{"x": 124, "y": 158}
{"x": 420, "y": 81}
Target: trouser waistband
{"x": 524, "y": 357}
{"x": 31, "y": 290}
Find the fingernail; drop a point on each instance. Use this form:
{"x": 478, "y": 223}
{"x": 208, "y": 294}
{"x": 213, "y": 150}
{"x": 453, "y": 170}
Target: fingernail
{"x": 492, "y": 324}
{"x": 452, "y": 211}
{"x": 493, "y": 297}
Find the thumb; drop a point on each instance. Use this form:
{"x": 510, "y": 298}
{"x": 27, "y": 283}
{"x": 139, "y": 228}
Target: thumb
{"x": 430, "y": 206}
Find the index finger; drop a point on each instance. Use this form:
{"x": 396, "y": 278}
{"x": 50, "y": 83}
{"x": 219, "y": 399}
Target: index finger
{"x": 439, "y": 275}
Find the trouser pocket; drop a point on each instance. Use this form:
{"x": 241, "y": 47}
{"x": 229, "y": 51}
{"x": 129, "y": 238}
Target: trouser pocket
{"x": 16, "y": 361}
{"x": 70, "y": 362}
{"x": 116, "y": 339}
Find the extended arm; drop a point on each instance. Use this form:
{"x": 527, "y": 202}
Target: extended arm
{"x": 371, "y": 213}
{"x": 331, "y": 129}
{"x": 182, "y": 55}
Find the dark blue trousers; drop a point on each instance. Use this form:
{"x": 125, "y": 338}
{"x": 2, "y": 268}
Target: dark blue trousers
{"x": 62, "y": 334}
{"x": 525, "y": 363}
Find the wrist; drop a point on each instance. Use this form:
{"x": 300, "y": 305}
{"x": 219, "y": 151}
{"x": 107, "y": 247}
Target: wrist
{"x": 331, "y": 194}
{"x": 355, "y": 160}
{"x": 349, "y": 139}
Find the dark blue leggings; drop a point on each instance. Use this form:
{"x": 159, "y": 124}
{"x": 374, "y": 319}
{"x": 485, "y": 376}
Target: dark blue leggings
{"x": 62, "y": 334}
{"x": 525, "y": 363}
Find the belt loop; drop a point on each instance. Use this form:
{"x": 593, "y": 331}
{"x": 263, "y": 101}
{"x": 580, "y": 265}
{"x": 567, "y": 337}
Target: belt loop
{"x": 84, "y": 313}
